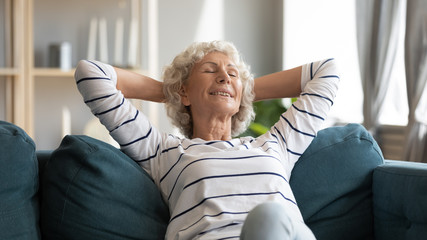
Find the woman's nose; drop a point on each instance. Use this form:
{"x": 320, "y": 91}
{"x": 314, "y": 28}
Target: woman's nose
{"x": 223, "y": 77}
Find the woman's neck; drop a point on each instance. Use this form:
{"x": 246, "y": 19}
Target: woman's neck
{"x": 212, "y": 128}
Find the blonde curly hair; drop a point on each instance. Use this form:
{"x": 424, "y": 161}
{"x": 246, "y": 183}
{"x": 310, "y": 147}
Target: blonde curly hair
{"x": 177, "y": 73}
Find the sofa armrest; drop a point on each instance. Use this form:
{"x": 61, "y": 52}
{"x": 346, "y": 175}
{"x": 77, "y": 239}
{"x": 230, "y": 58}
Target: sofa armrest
{"x": 400, "y": 200}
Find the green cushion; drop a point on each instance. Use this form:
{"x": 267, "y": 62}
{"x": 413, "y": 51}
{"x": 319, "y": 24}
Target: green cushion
{"x": 332, "y": 183}
{"x": 92, "y": 190}
{"x": 400, "y": 200}
{"x": 19, "y": 215}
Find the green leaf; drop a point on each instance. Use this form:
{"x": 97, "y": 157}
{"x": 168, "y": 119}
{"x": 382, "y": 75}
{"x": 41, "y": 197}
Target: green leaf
{"x": 267, "y": 114}
{"x": 258, "y": 128}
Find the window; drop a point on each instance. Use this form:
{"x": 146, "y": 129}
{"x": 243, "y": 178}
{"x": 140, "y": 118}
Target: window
{"x": 395, "y": 109}
{"x": 328, "y": 29}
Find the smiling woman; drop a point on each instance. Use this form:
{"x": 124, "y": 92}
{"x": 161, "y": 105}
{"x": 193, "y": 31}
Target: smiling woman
{"x": 213, "y": 93}
{"x": 216, "y": 186}
{"x": 189, "y": 64}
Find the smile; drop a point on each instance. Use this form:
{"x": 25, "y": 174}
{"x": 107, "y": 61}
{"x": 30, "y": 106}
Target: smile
{"x": 225, "y": 94}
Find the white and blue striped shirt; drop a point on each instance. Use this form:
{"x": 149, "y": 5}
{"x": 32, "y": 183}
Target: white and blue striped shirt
{"x": 210, "y": 186}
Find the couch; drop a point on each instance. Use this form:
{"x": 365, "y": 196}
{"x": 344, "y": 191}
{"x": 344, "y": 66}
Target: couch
{"x": 87, "y": 189}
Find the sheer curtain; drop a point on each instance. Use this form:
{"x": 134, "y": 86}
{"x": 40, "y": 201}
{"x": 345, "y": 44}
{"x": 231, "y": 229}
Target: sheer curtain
{"x": 377, "y": 38}
{"x": 416, "y": 78}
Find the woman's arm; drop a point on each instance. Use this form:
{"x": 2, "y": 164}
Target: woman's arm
{"x": 137, "y": 86}
{"x": 282, "y": 84}
{"x": 97, "y": 83}
{"x": 298, "y": 126}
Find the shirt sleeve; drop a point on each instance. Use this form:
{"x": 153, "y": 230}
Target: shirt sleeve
{"x": 298, "y": 126}
{"x": 139, "y": 140}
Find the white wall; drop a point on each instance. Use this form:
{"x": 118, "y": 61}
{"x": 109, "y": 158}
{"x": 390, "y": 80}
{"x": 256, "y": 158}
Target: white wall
{"x": 254, "y": 26}
{"x": 327, "y": 29}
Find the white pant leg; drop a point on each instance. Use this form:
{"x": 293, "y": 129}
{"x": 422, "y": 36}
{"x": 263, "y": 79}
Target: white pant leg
{"x": 270, "y": 221}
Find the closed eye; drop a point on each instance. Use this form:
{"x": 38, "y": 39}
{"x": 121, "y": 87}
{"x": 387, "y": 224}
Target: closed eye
{"x": 233, "y": 74}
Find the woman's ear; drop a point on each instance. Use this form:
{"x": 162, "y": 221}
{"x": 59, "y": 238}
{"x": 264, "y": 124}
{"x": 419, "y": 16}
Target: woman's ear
{"x": 184, "y": 97}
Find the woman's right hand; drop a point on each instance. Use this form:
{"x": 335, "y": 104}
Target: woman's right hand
{"x": 137, "y": 86}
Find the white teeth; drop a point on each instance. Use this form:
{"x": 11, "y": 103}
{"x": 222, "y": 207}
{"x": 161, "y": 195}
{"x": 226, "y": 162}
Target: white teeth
{"x": 221, "y": 93}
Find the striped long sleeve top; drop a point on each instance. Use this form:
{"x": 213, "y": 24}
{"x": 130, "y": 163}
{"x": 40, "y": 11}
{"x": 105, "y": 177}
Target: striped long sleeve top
{"x": 210, "y": 186}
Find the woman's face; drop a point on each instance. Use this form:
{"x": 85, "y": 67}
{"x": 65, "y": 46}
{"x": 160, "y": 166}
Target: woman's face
{"x": 214, "y": 85}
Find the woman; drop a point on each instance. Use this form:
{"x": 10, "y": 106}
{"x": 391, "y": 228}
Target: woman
{"x": 216, "y": 186}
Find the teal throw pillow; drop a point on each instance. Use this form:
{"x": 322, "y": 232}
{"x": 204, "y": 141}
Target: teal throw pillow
{"x": 332, "y": 183}
{"x": 19, "y": 179}
{"x": 92, "y": 190}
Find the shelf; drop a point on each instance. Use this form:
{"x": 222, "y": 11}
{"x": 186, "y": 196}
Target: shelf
{"x": 57, "y": 72}
{"x": 52, "y": 72}
{"x": 8, "y": 71}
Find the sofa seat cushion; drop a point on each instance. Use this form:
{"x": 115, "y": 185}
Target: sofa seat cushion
{"x": 19, "y": 179}
{"x": 400, "y": 200}
{"x": 92, "y": 190}
{"x": 332, "y": 183}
